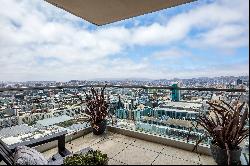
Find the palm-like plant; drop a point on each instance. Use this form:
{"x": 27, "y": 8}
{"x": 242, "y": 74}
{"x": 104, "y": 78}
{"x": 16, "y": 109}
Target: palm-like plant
{"x": 97, "y": 106}
{"x": 226, "y": 127}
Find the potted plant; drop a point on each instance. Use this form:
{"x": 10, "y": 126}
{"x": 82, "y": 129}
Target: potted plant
{"x": 97, "y": 109}
{"x": 225, "y": 124}
{"x": 89, "y": 158}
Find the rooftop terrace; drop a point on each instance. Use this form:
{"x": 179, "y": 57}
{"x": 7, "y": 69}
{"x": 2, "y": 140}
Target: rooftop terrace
{"x": 124, "y": 150}
{"x": 170, "y": 144}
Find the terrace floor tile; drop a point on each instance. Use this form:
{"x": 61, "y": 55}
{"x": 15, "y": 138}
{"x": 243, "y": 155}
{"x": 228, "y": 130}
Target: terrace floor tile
{"x": 49, "y": 153}
{"x": 109, "y": 147}
{"x": 124, "y": 150}
{"x": 170, "y": 160}
{"x": 136, "y": 156}
{"x": 181, "y": 154}
{"x": 148, "y": 145}
{"x": 207, "y": 160}
{"x": 122, "y": 138}
{"x": 115, "y": 162}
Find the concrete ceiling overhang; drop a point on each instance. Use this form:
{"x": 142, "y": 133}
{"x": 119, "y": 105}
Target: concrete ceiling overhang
{"x": 101, "y": 12}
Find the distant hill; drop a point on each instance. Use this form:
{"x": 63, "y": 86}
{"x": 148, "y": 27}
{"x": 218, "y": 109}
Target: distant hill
{"x": 121, "y": 79}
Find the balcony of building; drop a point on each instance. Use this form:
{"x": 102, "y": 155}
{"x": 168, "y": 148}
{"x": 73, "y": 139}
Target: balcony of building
{"x": 151, "y": 136}
{"x": 125, "y": 150}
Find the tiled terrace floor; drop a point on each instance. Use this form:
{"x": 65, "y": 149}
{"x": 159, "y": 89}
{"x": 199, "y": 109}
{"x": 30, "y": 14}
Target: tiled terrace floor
{"x": 124, "y": 150}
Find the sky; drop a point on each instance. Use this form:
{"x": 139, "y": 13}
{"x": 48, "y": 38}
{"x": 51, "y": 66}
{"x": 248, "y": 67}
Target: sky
{"x": 206, "y": 38}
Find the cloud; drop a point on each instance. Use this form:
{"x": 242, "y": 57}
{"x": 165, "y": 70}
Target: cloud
{"x": 216, "y": 23}
{"x": 171, "y": 53}
{"x": 224, "y": 37}
{"x": 41, "y": 42}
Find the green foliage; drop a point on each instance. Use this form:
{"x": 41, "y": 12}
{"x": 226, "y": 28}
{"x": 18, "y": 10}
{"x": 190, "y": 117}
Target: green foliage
{"x": 66, "y": 123}
{"x": 90, "y": 158}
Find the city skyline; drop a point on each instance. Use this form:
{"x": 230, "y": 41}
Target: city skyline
{"x": 130, "y": 79}
{"x": 41, "y": 42}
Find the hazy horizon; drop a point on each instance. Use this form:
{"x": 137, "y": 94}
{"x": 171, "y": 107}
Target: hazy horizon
{"x": 122, "y": 79}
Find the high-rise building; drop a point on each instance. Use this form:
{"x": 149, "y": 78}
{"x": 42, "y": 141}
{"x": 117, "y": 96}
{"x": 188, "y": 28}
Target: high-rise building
{"x": 175, "y": 93}
{"x": 121, "y": 113}
{"x": 239, "y": 81}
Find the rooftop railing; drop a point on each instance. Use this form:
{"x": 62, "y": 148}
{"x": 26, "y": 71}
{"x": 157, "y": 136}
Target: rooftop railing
{"x": 169, "y": 122}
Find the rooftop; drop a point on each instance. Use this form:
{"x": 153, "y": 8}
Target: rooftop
{"x": 54, "y": 120}
{"x": 16, "y": 130}
{"x": 183, "y": 104}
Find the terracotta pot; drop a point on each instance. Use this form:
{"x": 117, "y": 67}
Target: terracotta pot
{"x": 101, "y": 127}
{"x": 220, "y": 155}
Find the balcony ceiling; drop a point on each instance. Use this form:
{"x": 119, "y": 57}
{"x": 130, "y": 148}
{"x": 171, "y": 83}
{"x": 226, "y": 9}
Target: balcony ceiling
{"x": 101, "y": 12}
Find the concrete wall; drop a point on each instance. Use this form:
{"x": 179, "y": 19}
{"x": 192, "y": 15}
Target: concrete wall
{"x": 178, "y": 143}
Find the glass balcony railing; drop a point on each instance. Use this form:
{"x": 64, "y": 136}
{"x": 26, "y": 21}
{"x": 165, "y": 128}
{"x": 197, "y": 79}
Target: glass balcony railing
{"x": 174, "y": 130}
{"x": 161, "y": 111}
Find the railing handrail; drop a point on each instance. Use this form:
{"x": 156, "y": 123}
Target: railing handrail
{"x": 122, "y": 86}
